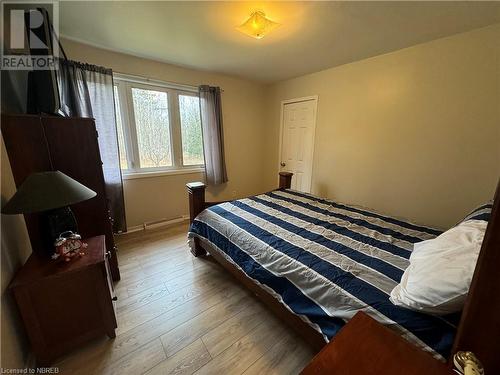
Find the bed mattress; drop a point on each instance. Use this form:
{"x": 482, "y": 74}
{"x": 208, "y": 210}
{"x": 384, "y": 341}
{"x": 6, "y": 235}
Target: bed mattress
{"x": 324, "y": 261}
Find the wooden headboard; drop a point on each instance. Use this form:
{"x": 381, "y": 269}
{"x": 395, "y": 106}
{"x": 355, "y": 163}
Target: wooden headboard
{"x": 479, "y": 328}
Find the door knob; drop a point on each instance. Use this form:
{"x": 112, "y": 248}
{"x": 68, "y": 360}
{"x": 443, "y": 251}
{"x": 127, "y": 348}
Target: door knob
{"x": 283, "y": 164}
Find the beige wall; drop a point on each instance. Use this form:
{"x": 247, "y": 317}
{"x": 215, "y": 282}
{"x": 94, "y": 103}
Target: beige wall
{"x": 419, "y": 124}
{"x": 15, "y": 247}
{"x": 414, "y": 133}
{"x": 157, "y": 198}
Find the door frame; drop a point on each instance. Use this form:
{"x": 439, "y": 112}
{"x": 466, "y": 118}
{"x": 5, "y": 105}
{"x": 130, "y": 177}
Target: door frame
{"x": 282, "y": 108}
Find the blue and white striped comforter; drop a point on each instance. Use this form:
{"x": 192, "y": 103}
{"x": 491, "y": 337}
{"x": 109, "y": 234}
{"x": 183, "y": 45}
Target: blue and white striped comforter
{"x": 324, "y": 261}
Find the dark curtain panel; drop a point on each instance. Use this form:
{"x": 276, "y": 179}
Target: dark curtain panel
{"x": 87, "y": 91}
{"x": 213, "y": 136}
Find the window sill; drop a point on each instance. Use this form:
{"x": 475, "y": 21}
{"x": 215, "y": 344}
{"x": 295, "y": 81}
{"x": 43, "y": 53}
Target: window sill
{"x": 134, "y": 175}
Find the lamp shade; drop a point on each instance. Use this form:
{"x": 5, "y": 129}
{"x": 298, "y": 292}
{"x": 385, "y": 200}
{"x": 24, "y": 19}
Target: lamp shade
{"x": 44, "y": 191}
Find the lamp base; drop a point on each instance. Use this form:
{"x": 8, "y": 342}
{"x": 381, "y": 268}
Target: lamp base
{"x": 58, "y": 221}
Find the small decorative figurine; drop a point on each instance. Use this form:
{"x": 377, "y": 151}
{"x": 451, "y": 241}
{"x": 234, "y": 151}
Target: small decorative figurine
{"x": 68, "y": 245}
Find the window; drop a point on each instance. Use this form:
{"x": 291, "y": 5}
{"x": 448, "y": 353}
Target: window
{"x": 192, "y": 144}
{"x": 158, "y": 126}
{"x": 152, "y": 125}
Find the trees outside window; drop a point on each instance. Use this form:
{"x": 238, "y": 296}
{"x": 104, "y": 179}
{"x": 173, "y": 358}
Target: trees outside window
{"x": 159, "y": 127}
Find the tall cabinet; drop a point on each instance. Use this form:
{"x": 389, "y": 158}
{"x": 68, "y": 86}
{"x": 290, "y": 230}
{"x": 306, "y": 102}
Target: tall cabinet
{"x": 42, "y": 143}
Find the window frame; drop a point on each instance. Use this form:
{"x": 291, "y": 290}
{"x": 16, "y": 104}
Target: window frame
{"x": 124, "y": 85}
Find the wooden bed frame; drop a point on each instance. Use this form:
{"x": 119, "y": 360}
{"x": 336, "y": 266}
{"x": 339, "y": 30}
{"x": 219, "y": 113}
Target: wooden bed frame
{"x": 479, "y": 328}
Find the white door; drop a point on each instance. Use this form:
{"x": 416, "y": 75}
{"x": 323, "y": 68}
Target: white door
{"x": 297, "y": 141}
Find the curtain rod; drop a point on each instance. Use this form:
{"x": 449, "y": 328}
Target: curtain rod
{"x": 141, "y": 79}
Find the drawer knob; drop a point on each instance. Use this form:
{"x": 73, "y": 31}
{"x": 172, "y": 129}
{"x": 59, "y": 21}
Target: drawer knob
{"x": 115, "y": 298}
{"x": 108, "y": 254}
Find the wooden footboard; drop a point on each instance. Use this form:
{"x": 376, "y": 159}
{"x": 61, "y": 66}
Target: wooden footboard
{"x": 196, "y": 194}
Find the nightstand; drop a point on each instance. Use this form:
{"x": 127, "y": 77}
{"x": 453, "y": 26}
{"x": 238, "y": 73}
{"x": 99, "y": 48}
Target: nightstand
{"x": 366, "y": 347}
{"x": 65, "y": 304}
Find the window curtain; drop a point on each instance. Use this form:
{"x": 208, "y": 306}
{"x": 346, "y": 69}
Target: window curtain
{"x": 87, "y": 91}
{"x": 213, "y": 137}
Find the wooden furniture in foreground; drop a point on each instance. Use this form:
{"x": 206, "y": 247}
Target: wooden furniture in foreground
{"x": 65, "y": 304}
{"x": 364, "y": 346}
{"x": 45, "y": 143}
{"x": 479, "y": 328}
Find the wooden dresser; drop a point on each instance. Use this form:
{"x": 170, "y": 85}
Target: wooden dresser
{"x": 65, "y": 304}
{"x": 45, "y": 143}
{"x": 366, "y": 347}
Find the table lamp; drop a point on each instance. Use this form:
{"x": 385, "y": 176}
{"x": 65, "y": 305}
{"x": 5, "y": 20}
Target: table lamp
{"x": 49, "y": 192}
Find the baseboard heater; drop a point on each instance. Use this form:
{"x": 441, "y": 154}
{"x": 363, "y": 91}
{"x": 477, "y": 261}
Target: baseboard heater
{"x": 157, "y": 224}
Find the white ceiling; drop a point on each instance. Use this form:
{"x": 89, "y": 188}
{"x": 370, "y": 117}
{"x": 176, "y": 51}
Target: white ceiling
{"x": 313, "y": 35}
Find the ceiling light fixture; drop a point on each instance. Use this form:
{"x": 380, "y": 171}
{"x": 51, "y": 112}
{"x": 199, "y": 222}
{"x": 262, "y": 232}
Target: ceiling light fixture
{"x": 258, "y": 25}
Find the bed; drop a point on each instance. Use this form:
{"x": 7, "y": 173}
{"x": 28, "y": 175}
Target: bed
{"x": 316, "y": 263}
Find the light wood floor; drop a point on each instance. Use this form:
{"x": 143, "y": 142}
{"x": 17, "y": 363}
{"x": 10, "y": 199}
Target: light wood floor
{"x": 181, "y": 315}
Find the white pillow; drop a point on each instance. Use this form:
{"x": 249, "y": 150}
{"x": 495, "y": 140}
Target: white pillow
{"x": 440, "y": 272}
